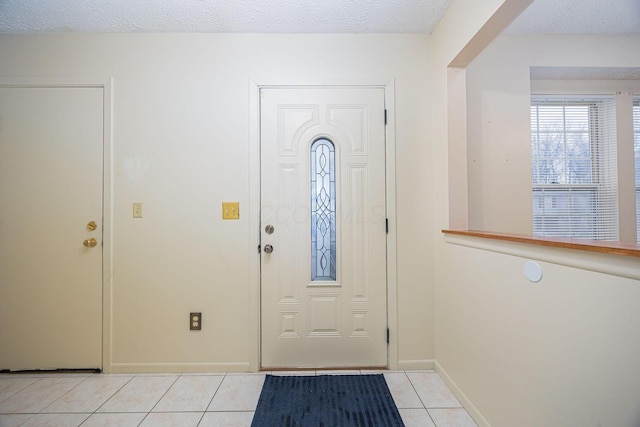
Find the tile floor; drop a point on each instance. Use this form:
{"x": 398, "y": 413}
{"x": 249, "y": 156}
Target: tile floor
{"x": 191, "y": 399}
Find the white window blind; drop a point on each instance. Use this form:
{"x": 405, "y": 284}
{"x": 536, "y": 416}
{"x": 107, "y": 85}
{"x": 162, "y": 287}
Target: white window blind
{"x": 573, "y": 147}
{"x": 636, "y": 150}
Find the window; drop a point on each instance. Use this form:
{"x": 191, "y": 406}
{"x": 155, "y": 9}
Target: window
{"x": 636, "y": 150}
{"x": 323, "y": 211}
{"x": 573, "y": 147}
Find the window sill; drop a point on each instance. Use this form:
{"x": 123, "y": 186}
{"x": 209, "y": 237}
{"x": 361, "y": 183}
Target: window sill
{"x": 612, "y": 248}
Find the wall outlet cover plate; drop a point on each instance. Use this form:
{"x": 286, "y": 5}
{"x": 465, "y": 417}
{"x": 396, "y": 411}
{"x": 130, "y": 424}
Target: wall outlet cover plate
{"x": 195, "y": 321}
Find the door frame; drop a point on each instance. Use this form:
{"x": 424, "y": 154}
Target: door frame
{"x": 388, "y": 85}
{"x": 106, "y": 84}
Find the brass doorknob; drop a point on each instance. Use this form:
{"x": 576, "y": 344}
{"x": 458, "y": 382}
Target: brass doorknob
{"x": 90, "y": 243}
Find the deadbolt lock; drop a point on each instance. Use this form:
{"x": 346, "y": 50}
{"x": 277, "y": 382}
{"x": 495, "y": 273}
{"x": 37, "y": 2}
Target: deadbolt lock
{"x": 92, "y": 225}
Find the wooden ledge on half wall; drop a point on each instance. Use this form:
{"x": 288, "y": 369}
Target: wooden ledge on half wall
{"x": 606, "y": 247}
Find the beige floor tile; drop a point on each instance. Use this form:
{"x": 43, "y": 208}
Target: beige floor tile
{"x": 433, "y": 392}
{"x": 178, "y": 400}
{"x": 402, "y": 391}
{"x": 237, "y": 393}
{"x": 244, "y": 374}
{"x": 189, "y": 393}
{"x": 10, "y": 385}
{"x": 452, "y": 418}
{"x": 172, "y": 419}
{"x": 14, "y": 420}
{"x": 89, "y": 395}
{"x": 416, "y": 418}
{"x": 226, "y": 419}
{"x": 56, "y": 420}
{"x": 38, "y": 395}
{"x": 114, "y": 420}
{"x": 139, "y": 395}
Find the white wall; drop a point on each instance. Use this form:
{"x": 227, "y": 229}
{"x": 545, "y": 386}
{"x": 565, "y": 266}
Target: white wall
{"x": 181, "y": 143}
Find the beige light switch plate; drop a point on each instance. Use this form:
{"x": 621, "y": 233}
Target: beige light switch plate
{"x": 137, "y": 209}
{"x": 230, "y": 210}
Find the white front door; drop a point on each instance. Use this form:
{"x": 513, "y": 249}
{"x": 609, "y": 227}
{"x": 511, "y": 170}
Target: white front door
{"x": 51, "y": 141}
{"x": 323, "y": 228}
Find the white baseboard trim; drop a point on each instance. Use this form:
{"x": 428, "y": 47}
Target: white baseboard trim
{"x": 140, "y": 368}
{"x": 416, "y": 365}
{"x": 470, "y": 407}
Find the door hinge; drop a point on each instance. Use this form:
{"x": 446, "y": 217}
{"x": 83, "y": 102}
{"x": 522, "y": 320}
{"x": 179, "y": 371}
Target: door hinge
{"x": 386, "y": 225}
{"x": 385, "y": 116}
{"x": 387, "y": 335}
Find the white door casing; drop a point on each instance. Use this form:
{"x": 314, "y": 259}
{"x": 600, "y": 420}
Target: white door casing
{"x": 318, "y": 324}
{"x": 51, "y": 187}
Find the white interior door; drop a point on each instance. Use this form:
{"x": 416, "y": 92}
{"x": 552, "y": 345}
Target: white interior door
{"x": 323, "y": 228}
{"x": 50, "y": 190}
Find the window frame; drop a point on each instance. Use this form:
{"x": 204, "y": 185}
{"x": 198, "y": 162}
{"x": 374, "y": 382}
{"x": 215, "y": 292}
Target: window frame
{"x": 635, "y": 108}
{"x": 600, "y": 229}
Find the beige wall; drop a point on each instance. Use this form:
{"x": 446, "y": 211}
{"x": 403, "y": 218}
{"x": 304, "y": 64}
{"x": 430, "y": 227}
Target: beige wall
{"x": 562, "y": 352}
{"x": 181, "y": 146}
{"x": 499, "y": 137}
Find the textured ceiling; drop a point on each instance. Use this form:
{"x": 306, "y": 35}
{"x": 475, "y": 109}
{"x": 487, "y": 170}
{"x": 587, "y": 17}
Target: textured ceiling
{"x": 300, "y": 16}
{"x": 579, "y": 17}
{"x": 222, "y": 16}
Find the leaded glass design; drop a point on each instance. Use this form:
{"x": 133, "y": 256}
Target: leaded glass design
{"x": 323, "y": 211}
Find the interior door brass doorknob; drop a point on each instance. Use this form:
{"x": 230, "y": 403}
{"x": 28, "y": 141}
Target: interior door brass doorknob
{"x": 90, "y": 243}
